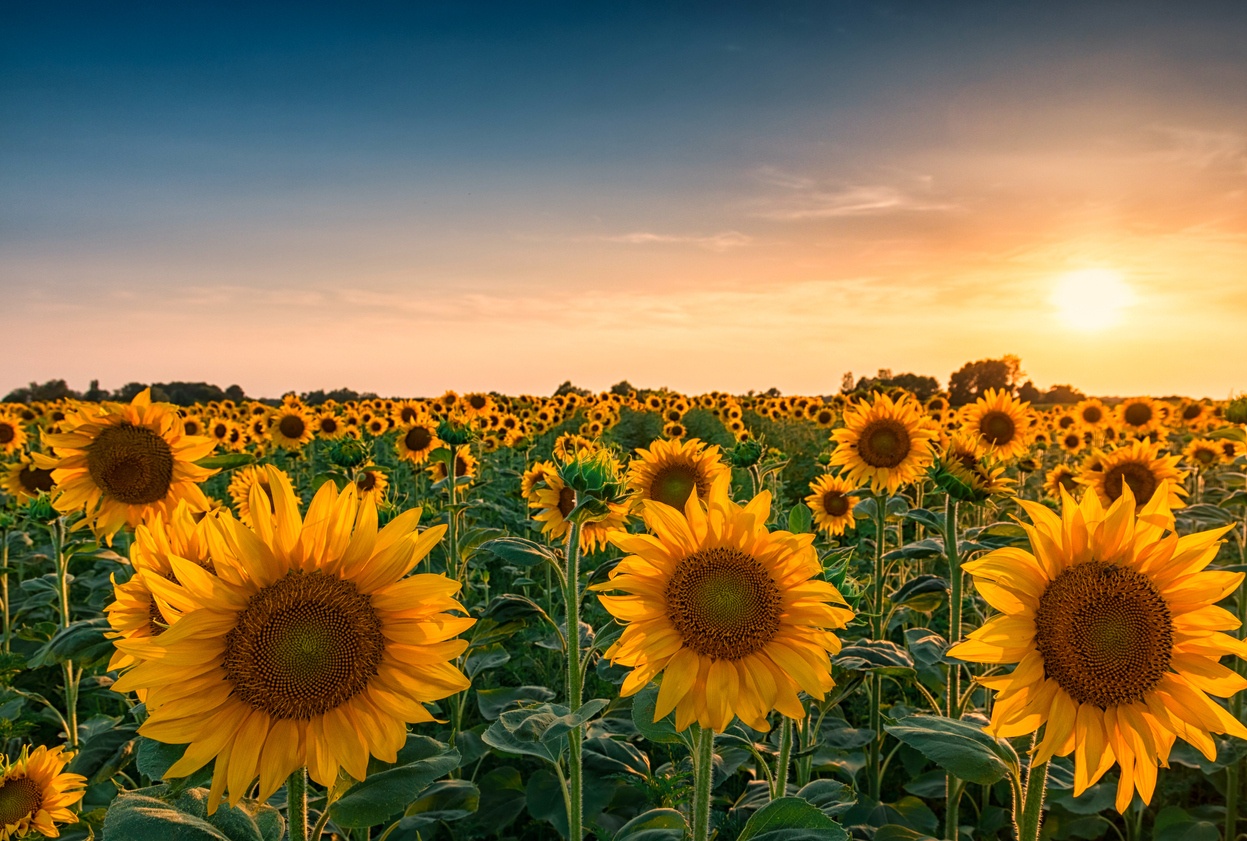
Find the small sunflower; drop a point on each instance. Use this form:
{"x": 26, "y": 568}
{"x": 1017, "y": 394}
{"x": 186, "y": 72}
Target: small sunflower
{"x": 831, "y": 500}
{"x": 554, "y": 500}
{"x": 1139, "y": 465}
{"x": 1202, "y": 453}
{"x": 669, "y": 471}
{"x": 291, "y": 427}
{"x": 371, "y": 483}
{"x": 309, "y": 646}
{"x": 35, "y": 793}
{"x": 417, "y": 438}
{"x": 1071, "y": 441}
{"x": 1140, "y": 416}
{"x": 193, "y": 424}
{"x": 674, "y": 430}
{"x": 536, "y": 476}
{"x": 966, "y": 472}
{"x": 24, "y": 480}
{"x": 120, "y": 463}
{"x": 241, "y": 483}
{"x": 465, "y": 465}
{"x": 1091, "y": 413}
{"x": 328, "y": 426}
{"x": 1001, "y": 421}
{"x": 12, "y": 434}
{"x": 1112, "y": 621}
{"x": 1061, "y": 477}
{"x": 886, "y": 442}
{"x": 735, "y": 618}
{"x": 1231, "y": 450}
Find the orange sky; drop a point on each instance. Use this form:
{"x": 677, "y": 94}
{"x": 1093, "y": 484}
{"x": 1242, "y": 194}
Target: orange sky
{"x": 909, "y": 202}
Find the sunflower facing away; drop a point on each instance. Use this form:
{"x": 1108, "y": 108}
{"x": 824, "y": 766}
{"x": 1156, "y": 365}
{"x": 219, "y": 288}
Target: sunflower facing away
{"x": 1139, "y": 466}
{"x": 669, "y": 471}
{"x": 885, "y": 442}
{"x": 121, "y": 463}
{"x": 1001, "y": 421}
{"x": 35, "y": 794}
{"x": 1112, "y": 621}
{"x": 308, "y": 645}
{"x": 831, "y": 500}
{"x": 735, "y": 618}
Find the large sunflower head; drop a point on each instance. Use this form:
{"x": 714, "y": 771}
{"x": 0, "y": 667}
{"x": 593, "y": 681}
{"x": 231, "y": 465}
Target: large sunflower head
{"x": 1140, "y": 415}
{"x": 734, "y": 617}
{"x": 1111, "y": 620}
{"x": 121, "y": 463}
{"x": 1001, "y": 421}
{"x": 884, "y": 442}
{"x": 12, "y": 433}
{"x": 831, "y": 501}
{"x": 670, "y": 471}
{"x": 308, "y": 645}
{"x": 290, "y": 426}
{"x": 417, "y": 438}
{"x": 24, "y": 480}
{"x": 35, "y": 793}
{"x": 1140, "y": 466}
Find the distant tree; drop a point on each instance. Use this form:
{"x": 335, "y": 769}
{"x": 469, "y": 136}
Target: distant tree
{"x": 920, "y": 386}
{"x": 235, "y": 393}
{"x": 1029, "y": 393}
{"x": 128, "y": 392}
{"x": 772, "y": 392}
{"x": 568, "y": 388}
{"x": 95, "y": 394}
{"x": 51, "y": 390}
{"x": 971, "y": 380}
{"x": 623, "y": 388}
{"x": 187, "y": 394}
{"x": 1063, "y": 394}
{"x": 339, "y": 395}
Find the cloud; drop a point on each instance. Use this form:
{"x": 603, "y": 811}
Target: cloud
{"x": 714, "y": 242}
{"x": 1204, "y": 148}
{"x": 803, "y": 198}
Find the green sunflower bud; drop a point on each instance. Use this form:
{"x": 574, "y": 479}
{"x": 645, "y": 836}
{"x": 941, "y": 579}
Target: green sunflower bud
{"x": 455, "y": 434}
{"x": 745, "y": 453}
{"x": 348, "y": 452}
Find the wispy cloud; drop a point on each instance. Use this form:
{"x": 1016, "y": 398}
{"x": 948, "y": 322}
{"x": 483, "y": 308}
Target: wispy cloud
{"x": 714, "y": 242}
{"x": 1204, "y": 148}
{"x": 802, "y": 197}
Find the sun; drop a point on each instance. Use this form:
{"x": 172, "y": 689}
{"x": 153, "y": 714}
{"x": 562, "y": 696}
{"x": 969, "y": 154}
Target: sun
{"x": 1091, "y": 299}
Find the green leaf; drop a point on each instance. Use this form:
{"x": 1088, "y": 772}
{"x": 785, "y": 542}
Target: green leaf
{"x": 923, "y": 593}
{"x": 158, "y": 812}
{"x": 226, "y": 461}
{"x": 1175, "y": 824}
{"x": 448, "y": 800}
{"x": 644, "y": 705}
{"x": 520, "y": 552}
{"x": 791, "y": 819}
{"x": 919, "y": 550}
{"x": 82, "y": 642}
{"x": 1212, "y": 515}
{"x": 959, "y": 747}
{"x": 485, "y": 657}
{"x": 654, "y": 825}
{"x": 800, "y": 520}
{"x": 156, "y": 758}
{"x": 883, "y": 656}
{"x": 830, "y": 797}
{"x": 491, "y": 702}
{"x": 539, "y": 731}
{"x": 502, "y": 800}
{"x": 928, "y": 519}
{"x": 388, "y": 792}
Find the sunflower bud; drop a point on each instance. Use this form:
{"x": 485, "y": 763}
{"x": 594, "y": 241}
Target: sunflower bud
{"x": 745, "y": 453}
{"x": 1236, "y": 411}
{"x": 40, "y": 509}
{"x": 348, "y": 452}
{"x": 595, "y": 479}
{"x": 455, "y": 433}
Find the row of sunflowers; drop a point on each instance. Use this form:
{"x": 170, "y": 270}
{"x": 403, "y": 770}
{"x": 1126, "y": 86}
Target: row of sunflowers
{"x": 626, "y": 615}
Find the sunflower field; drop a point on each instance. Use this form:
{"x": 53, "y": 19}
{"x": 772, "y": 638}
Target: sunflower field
{"x": 639, "y": 616}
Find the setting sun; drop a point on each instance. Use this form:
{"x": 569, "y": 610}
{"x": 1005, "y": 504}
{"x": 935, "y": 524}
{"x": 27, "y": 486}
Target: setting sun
{"x": 1091, "y": 299}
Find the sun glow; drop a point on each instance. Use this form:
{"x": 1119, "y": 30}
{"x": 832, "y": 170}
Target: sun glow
{"x": 1091, "y": 299}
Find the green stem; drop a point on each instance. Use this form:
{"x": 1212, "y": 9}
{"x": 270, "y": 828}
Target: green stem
{"x": 878, "y": 632}
{"x": 296, "y": 805}
{"x": 954, "y": 601}
{"x": 575, "y": 688}
{"x": 4, "y": 589}
{"x": 784, "y": 758}
{"x": 952, "y": 810}
{"x": 703, "y": 774}
{"x": 805, "y": 763}
{"x": 57, "y": 531}
{"x": 1032, "y": 803}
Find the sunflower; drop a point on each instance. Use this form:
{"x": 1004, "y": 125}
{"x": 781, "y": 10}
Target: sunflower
{"x": 886, "y": 442}
{"x": 309, "y": 646}
{"x": 832, "y": 500}
{"x": 555, "y": 500}
{"x": 669, "y": 471}
{"x": 1091, "y": 413}
{"x": 568, "y": 445}
{"x": 674, "y": 430}
{"x": 1140, "y": 416}
{"x": 121, "y": 463}
{"x": 1231, "y": 450}
{"x": 968, "y": 473}
{"x": 241, "y": 483}
{"x": 134, "y": 612}
{"x": 535, "y": 476}
{"x": 328, "y": 426}
{"x": 406, "y": 411}
{"x": 1002, "y": 422}
{"x": 465, "y": 465}
{"x": 1071, "y": 441}
{"x": 290, "y": 427}
{"x": 23, "y": 479}
{"x": 371, "y": 483}
{"x": 1112, "y": 621}
{"x": 193, "y": 424}
{"x": 1202, "y": 453}
{"x": 12, "y": 434}
{"x": 736, "y": 618}
{"x": 35, "y": 794}
{"x": 1140, "y": 466}
{"x": 1061, "y": 477}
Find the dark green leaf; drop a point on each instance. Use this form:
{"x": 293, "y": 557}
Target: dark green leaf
{"x": 654, "y": 825}
{"x": 928, "y": 519}
{"x": 384, "y": 794}
{"x": 226, "y": 461}
{"x": 800, "y": 520}
{"x": 882, "y": 656}
{"x": 791, "y": 819}
{"x": 520, "y": 552}
{"x": 491, "y": 702}
{"x": 643, "y": 708}
{"x": 959, "y": 747}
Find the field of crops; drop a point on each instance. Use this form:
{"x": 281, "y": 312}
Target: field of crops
{"x": 638, "y": 616}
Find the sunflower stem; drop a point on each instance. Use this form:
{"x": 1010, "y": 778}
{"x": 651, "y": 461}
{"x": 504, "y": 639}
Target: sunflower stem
{"x": 879, "y": 631}
{"x": 296, "y": 804}
{"x": 703, "y": 774}
{"x": 954, "y": 602}
{"x": 952, "y": 810}
{"x": 571, "y": 592}
{"x": 782, "y": 761}
{"x": 1032, "y": 803}
{"x": 4, "y": 589}
{"x": 1233, "y": 772}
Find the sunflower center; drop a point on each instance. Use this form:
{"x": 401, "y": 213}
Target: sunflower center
{"x": 1141, "y": 480}
{"x": 997, "y": 427}
{"x": 567, "y": 501}
{"x": 407, "y": 414}
{"x": 884, "y": 443}
{"x": 1105, "y": 633}
{"x": 19, "y": 798}
{"x": 291, "y": 426}
{"x": 673, "y": 485}
{"x": 35, "y": 479}
{"x": 835, "y": 503}
{"x": 417, "y": 438}
{"x": 1073, "y": 442}
{"x": 131, "y": 464}
{"x": 366, "y": 481}
{"x": 328, "y": 425}
{"x": 1205, "y": 456}
{"x": 1138, "y": 414}
{"x": 1092, "y": 414}
{"x": 303, "y": 646}
{"x": 7, "y": 433}
{"x": 1192, "y": 411}
{"x": 723, "y": 603}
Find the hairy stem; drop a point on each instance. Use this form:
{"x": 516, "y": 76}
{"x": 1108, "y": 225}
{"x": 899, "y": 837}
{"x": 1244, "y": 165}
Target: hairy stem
{"x": 703, "y": 774}
{"x": 575, "y": 688}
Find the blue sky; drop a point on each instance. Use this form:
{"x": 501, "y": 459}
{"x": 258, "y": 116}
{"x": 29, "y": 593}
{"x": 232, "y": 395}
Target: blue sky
{"x": 415, "y": 197}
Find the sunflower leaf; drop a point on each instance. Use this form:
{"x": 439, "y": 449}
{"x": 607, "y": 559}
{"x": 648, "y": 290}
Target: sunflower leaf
{"x": 388, "y": 792}
{"x": 959, "y": 747}
{"x": 791, "y": 819}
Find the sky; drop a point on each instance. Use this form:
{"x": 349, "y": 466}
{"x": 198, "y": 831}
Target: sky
{"x": 416, "y": 197}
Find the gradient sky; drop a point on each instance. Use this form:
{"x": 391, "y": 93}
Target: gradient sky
{"x": 503, "y": 196}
